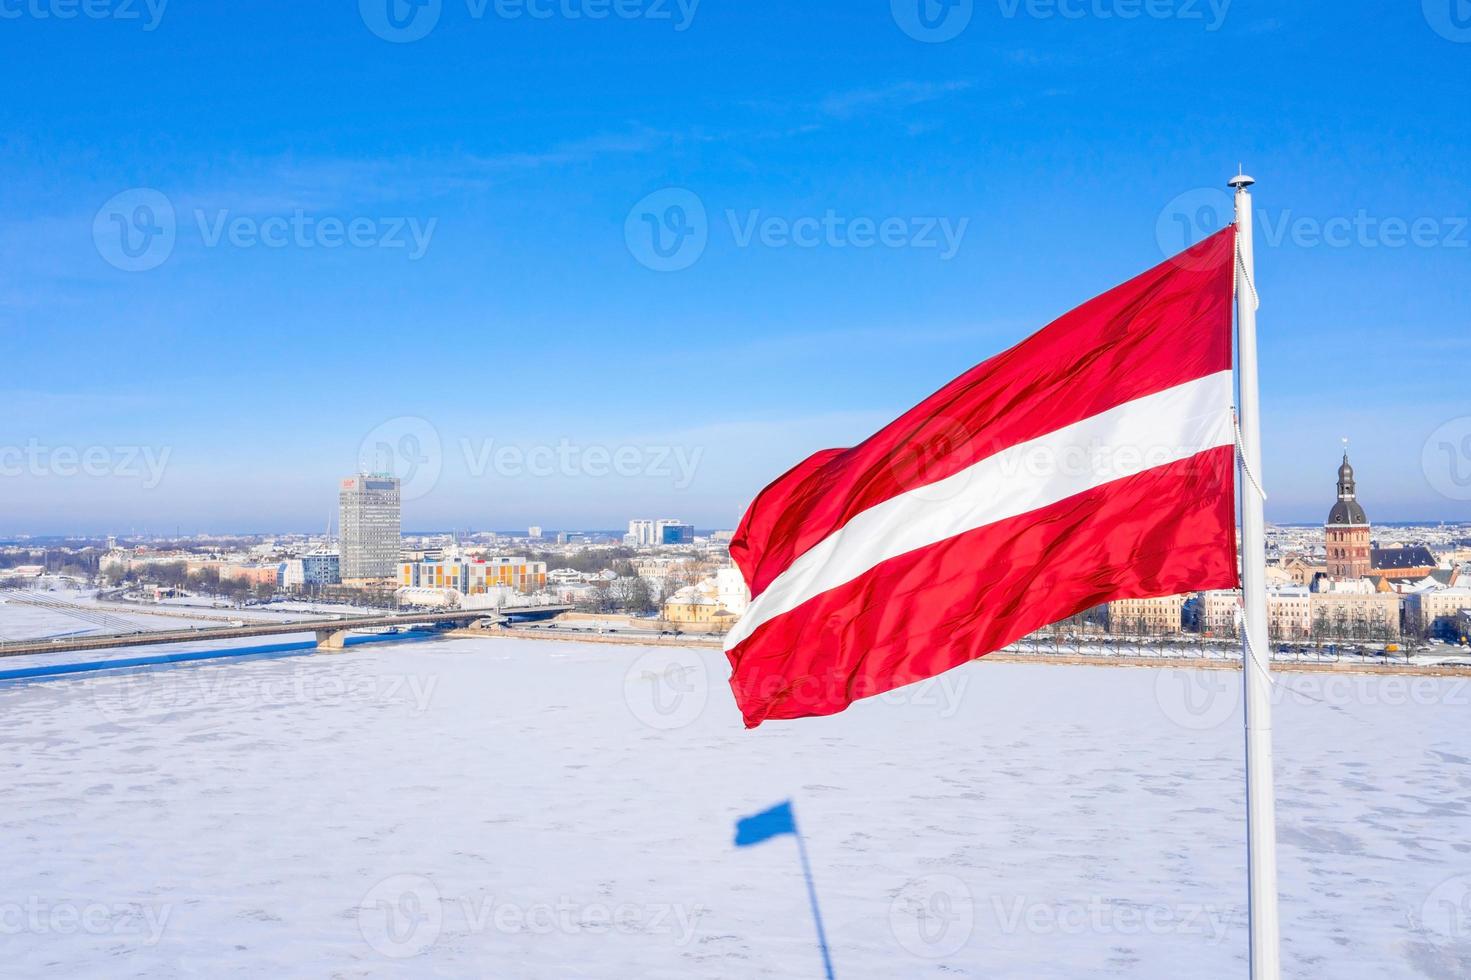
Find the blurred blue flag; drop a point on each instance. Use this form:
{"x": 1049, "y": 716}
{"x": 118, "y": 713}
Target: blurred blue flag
{"x": 766, "y": 825}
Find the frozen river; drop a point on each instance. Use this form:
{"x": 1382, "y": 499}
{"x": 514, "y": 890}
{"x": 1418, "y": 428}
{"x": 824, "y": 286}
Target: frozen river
{"x": 522, "y": 808}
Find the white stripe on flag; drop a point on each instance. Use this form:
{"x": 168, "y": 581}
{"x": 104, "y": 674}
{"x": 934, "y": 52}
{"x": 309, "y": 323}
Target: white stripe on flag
{"x": 1134, "y": 437}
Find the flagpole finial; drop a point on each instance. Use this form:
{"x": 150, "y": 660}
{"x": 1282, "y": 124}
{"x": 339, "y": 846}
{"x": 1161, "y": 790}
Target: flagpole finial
{"x": 1241, "y": 181}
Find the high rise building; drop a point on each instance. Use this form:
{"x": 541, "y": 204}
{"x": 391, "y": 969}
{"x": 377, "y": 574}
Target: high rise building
{"x": 321, "y": 567}
{"x": 534, "y": 532}
{"x": 1347, "y": 532}
{"x": 640, "y": 534}
{"x": 369, "y": 522}
{"x": 673, "y": 532}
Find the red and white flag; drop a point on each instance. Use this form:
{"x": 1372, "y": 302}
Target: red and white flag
{"x": 1091, "y": 462}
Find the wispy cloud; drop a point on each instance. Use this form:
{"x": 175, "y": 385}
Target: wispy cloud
{"x": 316, "y": 184}
{"x": 900, "y": 95}
{"x": 44, "y": 248}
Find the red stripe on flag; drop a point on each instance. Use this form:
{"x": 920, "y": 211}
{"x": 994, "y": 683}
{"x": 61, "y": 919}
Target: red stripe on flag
{"x": 1167, "y": 530}
{"x": 1166, "y": 327}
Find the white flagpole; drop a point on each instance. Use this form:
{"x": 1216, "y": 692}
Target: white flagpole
{"x": 1261, "y": 819}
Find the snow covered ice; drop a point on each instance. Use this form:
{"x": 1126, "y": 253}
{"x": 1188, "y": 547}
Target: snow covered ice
{"x": 526, "y": 808}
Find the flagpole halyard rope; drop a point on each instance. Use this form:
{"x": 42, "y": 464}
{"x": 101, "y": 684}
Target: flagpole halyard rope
{"x": 1256, "y": 300}
{"x": 1256, "y": 485}
{"x": 1255, "y": 657}
{"x": 1241, "y": 455}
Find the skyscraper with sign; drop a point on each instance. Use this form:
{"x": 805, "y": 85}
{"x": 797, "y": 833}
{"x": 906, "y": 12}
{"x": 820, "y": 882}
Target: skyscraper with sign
{"x": 370, "y": 526}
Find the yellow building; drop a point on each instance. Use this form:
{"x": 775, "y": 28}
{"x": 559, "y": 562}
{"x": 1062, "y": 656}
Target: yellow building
{"x": 1220, "y": 612}
{"x": 694, "y": 608}
{"x": 475, "y": 576}
{"x": 1435, "y": 612}
{"x": 1290, "y": 613}
{"x": 1153, "y": 617}
{"x": 1346, "y": 615}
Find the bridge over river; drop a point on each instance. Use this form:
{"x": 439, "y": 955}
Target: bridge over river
{"x": 330, "y": 632}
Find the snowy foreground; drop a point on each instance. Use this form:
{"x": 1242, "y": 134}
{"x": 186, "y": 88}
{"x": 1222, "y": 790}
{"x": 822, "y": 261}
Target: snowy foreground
{"x": 520, "y": 808}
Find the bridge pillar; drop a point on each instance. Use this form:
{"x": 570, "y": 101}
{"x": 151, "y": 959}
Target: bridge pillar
{"x": 331, "y": 639}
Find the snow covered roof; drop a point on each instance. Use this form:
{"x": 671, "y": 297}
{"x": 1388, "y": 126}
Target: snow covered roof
{"x": 1394, "y": 559}
{"x": 691, "y": 596}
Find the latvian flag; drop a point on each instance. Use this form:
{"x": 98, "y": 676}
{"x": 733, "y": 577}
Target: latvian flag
{"x": 1091, "y": 462}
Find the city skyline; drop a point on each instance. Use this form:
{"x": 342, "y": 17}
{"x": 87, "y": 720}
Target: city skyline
{"x": 613, "y": 522}
{"x": 475, "y": 471}
{"x": 792, "y": 328}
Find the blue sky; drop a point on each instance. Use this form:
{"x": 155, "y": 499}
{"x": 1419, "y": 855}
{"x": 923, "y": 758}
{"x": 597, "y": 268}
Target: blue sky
{"x": 495, "y": 297}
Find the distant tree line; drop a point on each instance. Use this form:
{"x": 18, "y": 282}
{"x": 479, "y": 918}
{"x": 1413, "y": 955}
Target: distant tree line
{"x": 176, "y": 575}
{"x": 587, "y": 561}
{"x": 626, "y": 594}
{"x": 82, "y": 564}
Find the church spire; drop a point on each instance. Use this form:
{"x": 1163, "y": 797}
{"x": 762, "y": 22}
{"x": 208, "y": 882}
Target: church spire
{"x": 1347, "y": 528}
{"x": 1345, "y": 477}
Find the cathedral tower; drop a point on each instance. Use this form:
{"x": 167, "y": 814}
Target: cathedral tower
{"x": 1347, "y": 531}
